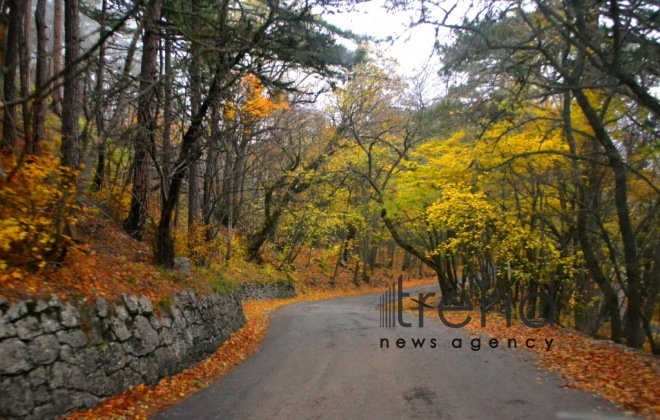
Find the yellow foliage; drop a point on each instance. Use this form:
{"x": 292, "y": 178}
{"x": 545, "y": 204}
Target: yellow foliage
{"x": 192, "y": 242}
{"x": 36, "y": 202}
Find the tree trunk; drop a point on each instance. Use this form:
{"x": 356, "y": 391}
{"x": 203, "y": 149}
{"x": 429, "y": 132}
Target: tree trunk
{"x": 586, "y": 314}
{"x": 271, "y": 219}
{"x": 164, "y": 249}
{"x": 436, "y": 266}
{"x": 195, "y": 193}
{"x": 611, "y": 300}
{"x": 407, "y": 261}
{"x": 210, "y": 169}
{"x": 26, "y": 56}
{"x": 58, "y": 18}
{"x": 9, "y": 134}
{"x": 100, "y": 109}
{"x": 167, "y": 113}
{"x": 41, "y": 80}
{"x": 652, "y": 281}
{"x": 230, "y": 219}
{"x": 274, "y": 207}
{"x": 135, "y": 223}
{"x": 70, "y": 98}
{"x": 633, "y": 319}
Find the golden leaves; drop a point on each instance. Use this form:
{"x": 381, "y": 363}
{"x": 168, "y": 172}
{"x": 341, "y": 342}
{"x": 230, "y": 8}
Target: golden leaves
{"x": 36, "y": 203}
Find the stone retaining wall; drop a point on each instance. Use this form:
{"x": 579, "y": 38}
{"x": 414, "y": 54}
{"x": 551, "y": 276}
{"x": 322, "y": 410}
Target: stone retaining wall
{"x": 265, "y": 291}
{"x": 56, "y": 358}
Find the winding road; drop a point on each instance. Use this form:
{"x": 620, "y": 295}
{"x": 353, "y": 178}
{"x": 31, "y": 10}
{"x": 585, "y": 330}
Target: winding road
{"x": 323, "y": 360}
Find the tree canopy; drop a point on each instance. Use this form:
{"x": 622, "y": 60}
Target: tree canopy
{"x": 226, "y": 131}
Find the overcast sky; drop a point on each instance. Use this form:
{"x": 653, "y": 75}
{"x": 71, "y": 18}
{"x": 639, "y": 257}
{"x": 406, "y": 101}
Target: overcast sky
{"x": 410, "y": 47}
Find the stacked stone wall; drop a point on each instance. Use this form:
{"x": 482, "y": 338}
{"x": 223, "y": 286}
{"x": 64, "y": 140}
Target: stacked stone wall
{"x": 57, "y": 357}
{"x": 267, "y": 291}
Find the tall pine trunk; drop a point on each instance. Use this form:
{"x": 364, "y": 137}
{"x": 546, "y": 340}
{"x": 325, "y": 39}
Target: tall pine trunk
{"x": 12, "y": 47}
{"x": 58, "y": 27}
{"x": 41, "y": 80}
{"x": 70, "y": 98}
{"x": 99, "y": 109}
{"x": 195, "y": 186}
{"x": 24, "y": 66}
{"x": 135, "y": 223}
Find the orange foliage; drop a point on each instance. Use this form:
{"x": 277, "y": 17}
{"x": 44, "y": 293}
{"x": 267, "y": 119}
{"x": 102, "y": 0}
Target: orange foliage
{"x": 255, "y": 103}
{"x": 109, "y": 264}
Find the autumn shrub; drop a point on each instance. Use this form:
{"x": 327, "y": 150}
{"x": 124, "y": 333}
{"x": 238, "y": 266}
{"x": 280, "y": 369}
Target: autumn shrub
{"x": 221, "y": 283}
{"x": 115, "y": 196}
{"x": 195, "y": 244}
{"x": 115, "y": 200}
{"x": 37, "y": 207}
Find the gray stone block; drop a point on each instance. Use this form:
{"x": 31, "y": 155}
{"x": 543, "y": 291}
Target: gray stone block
{"x": 28, "y": 327}
{"x": 94, "y": 331}
{"x": 40, "y": 306}
{"x": 64, "y": 375}
{"x": 112, "y": 357}
{"x": 13, "y": 357}
{"x": 17, "y": 311}
{"x": 54, "y": 302}
{"x": 124, "y": 378}
{"x": 50, "y": 323}
{"x": 16, "y": 398}
{"x": 7, "y": 329}
{"x": 119, "y": 329}
{"x": 70, "y": 316}
{"x": 73, "y": 338}
{"x": 101, "y": 307}
{"x": 100, "y": 384}
{"x": 121, "y": 312}
{"x": 166, "y": 360}
{"x": 87, "y": 359}
{"x": 147, "y": 368}
{"x": 44, "y": 349}
{"x": 165, "y": 336}
{"x": 37, "y": 376}
{"x": 166, "y": 322}
{"x": 46, "y": 411}
{"x": 155, "y": 323}
{"x": 131, "y": 303}
{"x": 68, "y": 400}
{"x": 145, "y": 338}
{"x": 265, "y": 291}
{"x": 41, "y": 395}
{"x": 146, "y": 306}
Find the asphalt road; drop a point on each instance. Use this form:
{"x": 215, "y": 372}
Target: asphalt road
{"x": 323, "y": 360}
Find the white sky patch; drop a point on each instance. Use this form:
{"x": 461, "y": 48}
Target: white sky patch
{"x": 412, "y": 48}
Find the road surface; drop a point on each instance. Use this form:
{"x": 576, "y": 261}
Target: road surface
{"x": 323, "y": 360}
